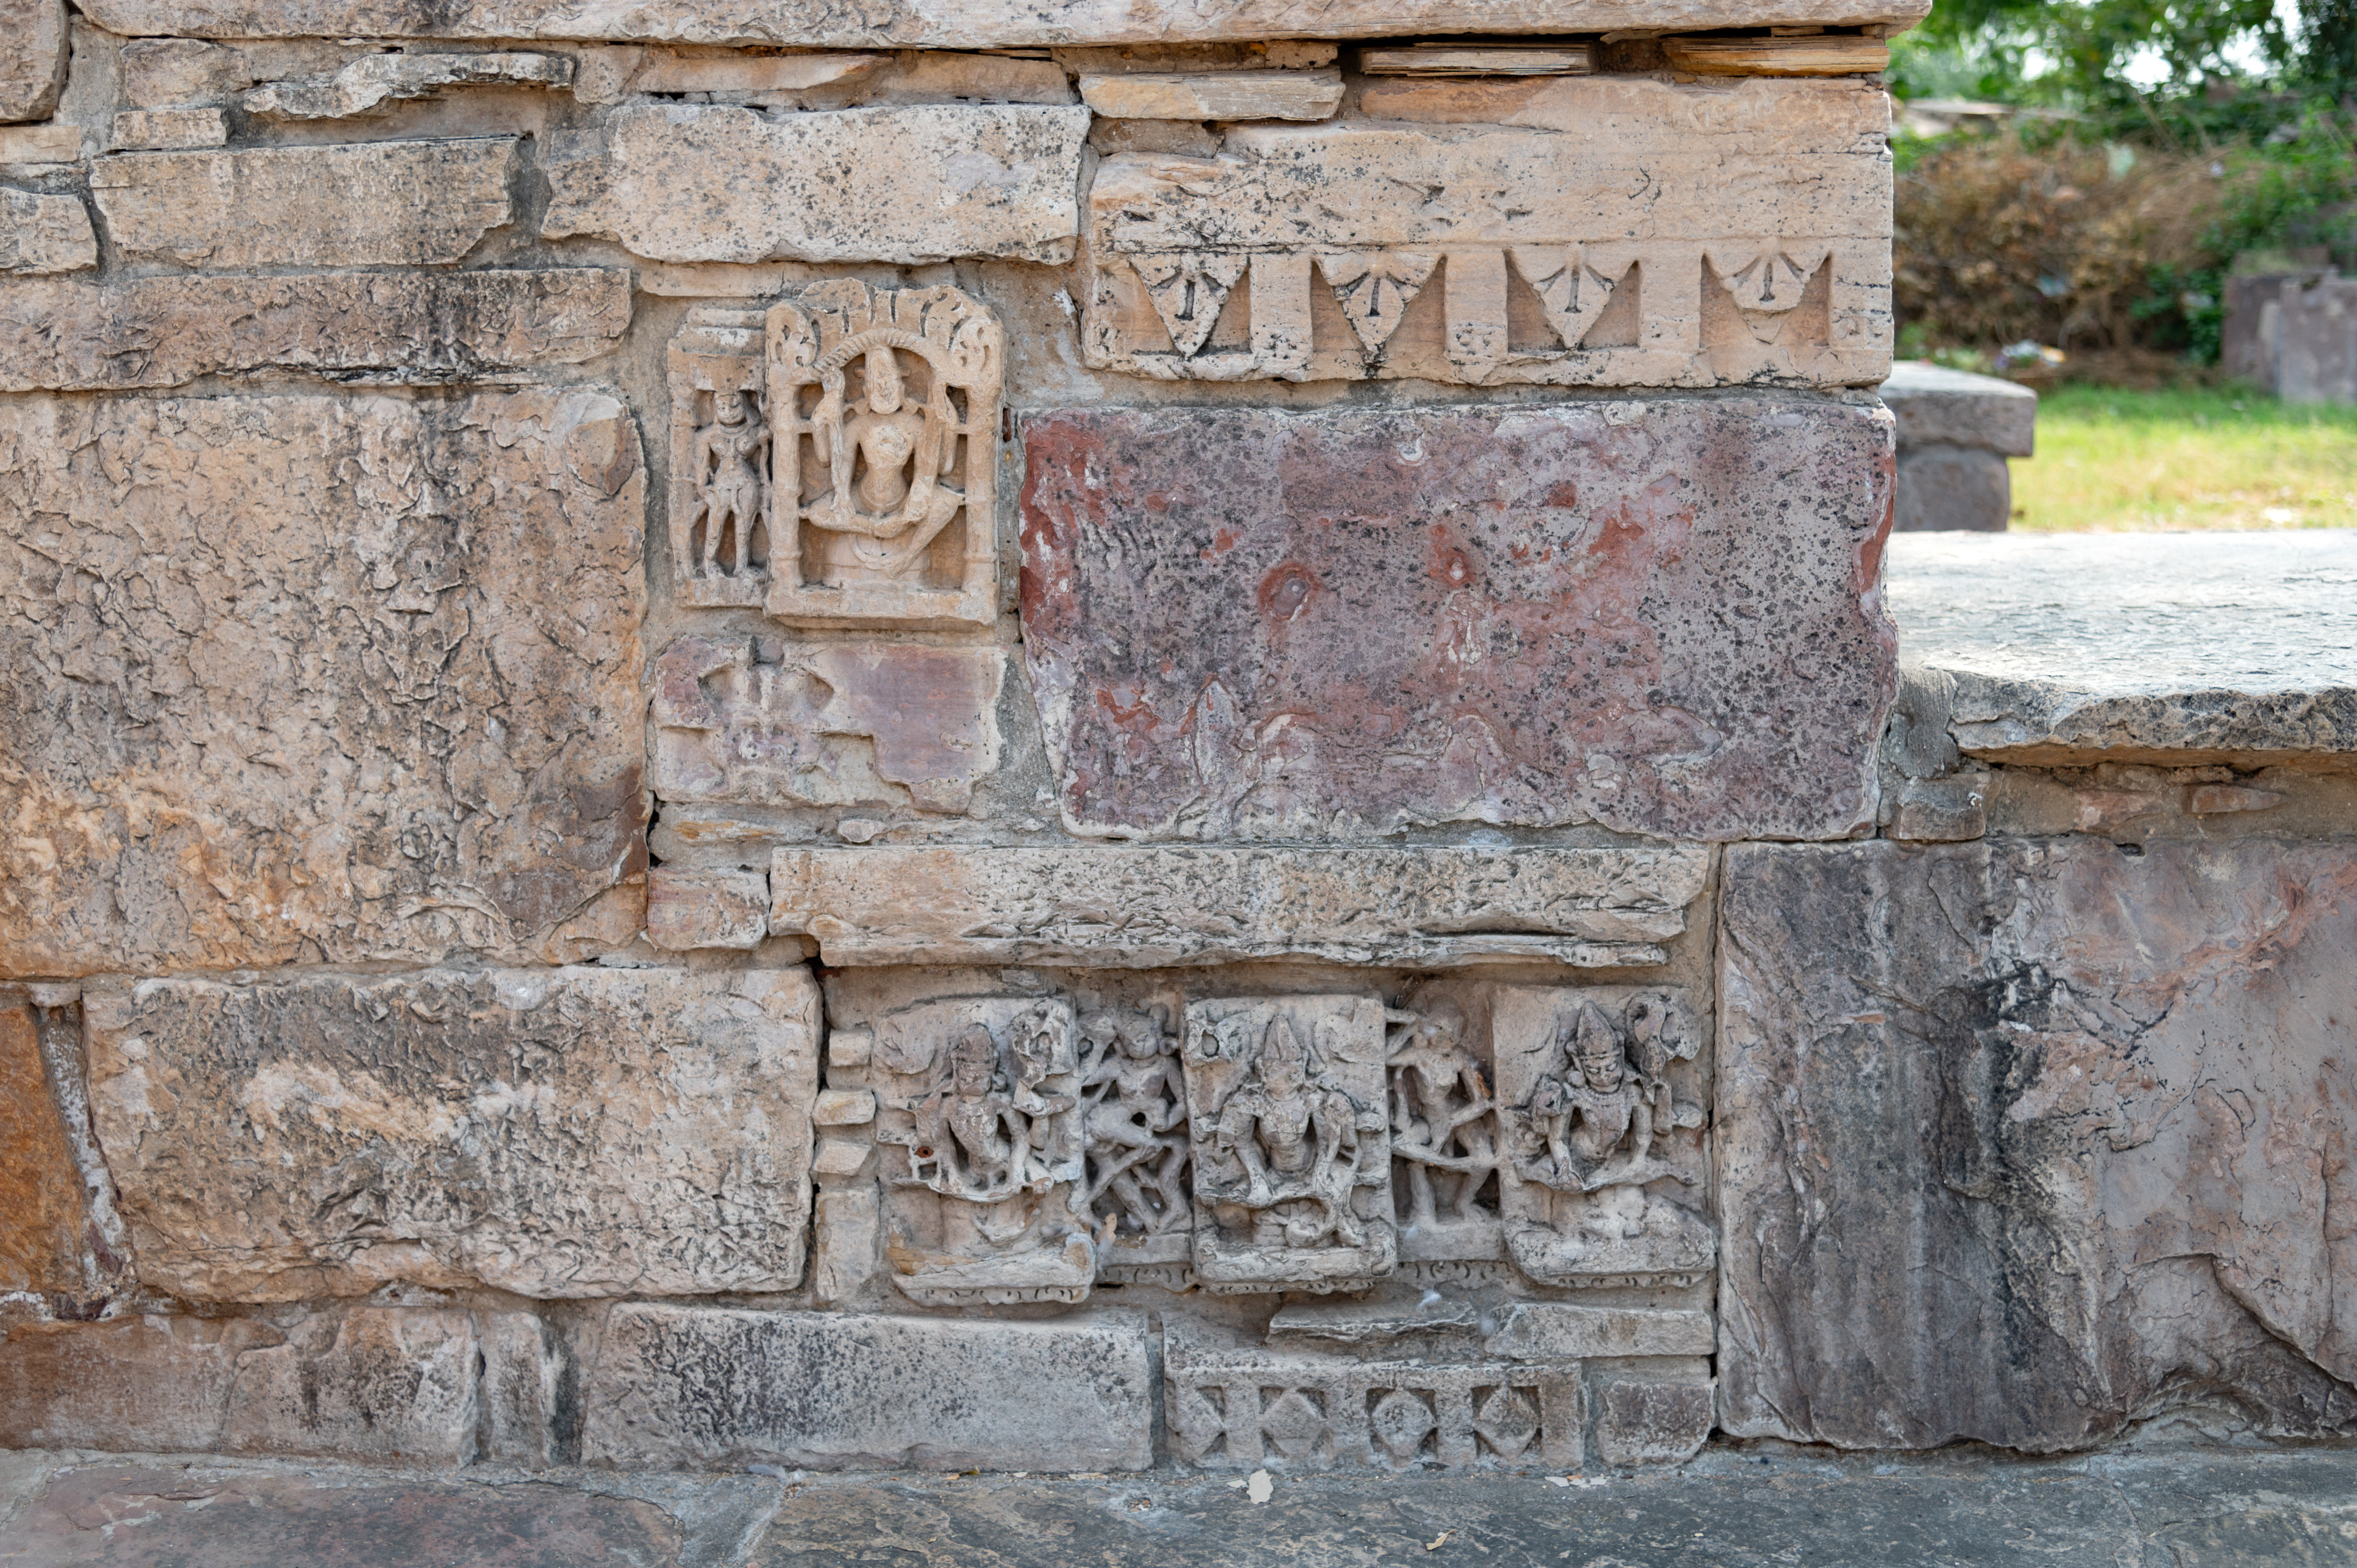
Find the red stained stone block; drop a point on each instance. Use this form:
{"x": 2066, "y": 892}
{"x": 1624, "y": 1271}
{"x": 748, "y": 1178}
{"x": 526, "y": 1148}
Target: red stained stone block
{"x": 1663, "y": 616}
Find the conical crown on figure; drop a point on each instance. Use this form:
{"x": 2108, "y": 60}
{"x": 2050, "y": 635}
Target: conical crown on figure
{"x": 1595, "y": 1047}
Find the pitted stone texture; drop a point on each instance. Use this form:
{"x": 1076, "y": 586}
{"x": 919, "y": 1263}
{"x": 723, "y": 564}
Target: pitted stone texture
{"x": 932, "y": 183}
{"x": 1143, "y": 906}
{"x": 708, "y": 1389}
{"x": 355, "y": 204}
{"x": 381, "y": 328}
{"x": 376, "y": 79}
{"x": 688, "y": 909}
{"x": 1663, "y": 616}
{"x": 33, "y": 56}
{"x": 565, "y": 1133}
{"x": 371, "y": 1384}
{"x": 945, "y": 23}
{"x": 45, "y": 1239}
{"x": 2023, "y": 1141}
{"x": 2137, "y": 647}
{"x": 43, "y": 234}
{"x": 171, "y": 128}
{"x": 760, "y": 722}
{"x": 307, "y": 679}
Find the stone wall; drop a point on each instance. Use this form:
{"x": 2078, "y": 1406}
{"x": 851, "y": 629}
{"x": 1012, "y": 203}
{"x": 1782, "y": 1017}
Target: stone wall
{"x": 1009, "y": 737}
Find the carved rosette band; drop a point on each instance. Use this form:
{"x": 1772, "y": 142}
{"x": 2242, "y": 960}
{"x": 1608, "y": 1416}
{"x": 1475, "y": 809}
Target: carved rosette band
{"x": 833, "y": 457}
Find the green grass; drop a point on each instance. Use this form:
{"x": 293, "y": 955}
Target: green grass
{"x": 2114, "y": 460}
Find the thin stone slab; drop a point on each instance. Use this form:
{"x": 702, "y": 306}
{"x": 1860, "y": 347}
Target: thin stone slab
{"x": 32, "y": 55}
{"x": 1938, "y": 407}
{"x": 1215, "y": 94}
{"x": 281, "y": 690}
{"x": 2023, "y": 1141}
{"x": 354, "y": 205}
{"x": 928, "y": 183}
{"x": 170, "y": 128}
{"x": 410, "y": 327}
{"x": 949, "y": 24}
{"x": 1143, "y": 906}
{"x": 43, "y": 234}
{"x": 1663, "y": 616}
{"x": 705, "y": 1388}
{"x": 376, "y": 79}
{"x": 46, "y": 1234}
{"x": 2137, "y": 648}
{"x": 554, "y": 1133}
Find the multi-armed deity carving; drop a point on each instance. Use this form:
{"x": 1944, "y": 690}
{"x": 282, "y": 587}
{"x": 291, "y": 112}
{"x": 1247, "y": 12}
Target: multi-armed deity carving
{"x": 1134, "y": 1111}
{"x": 837, "y": 465}
{"x": 979, "y": 1104}
{"x": 1292, "y": 1163}
{"x": 1444, "y": 1137}
{"x": 1598, "y": 1136}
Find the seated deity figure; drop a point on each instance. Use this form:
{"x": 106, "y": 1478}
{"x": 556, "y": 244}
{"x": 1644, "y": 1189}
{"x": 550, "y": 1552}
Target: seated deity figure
{"x": 732, "y": 457}
{"x": 1595, "y": 1119}
{"x": 1290, "y": 1141}
{"x": 887, "y": 459}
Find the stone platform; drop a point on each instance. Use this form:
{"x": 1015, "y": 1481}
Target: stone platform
{"x": 1733, "y": 1506}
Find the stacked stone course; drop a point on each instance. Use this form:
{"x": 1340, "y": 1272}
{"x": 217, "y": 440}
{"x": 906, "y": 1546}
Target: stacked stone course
{"x": 1058, "y": 738}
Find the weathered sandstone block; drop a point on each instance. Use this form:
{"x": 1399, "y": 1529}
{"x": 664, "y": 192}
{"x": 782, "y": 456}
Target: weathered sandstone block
{"x": 2023, "y": 1141}
{"x": 418, "y": 327}
{"x": 1642, "y": 1421}
{"x": 39, "y": 144}
{"x": 1215, "y": 95}
{"x": 303, "y": 679}
{"x": 1665, "y": 616}
{"x": 170, "y": 128}
{"x": 1147, "y": 906}
{"x": 32, "y": 57}
{"x": 44, "y": 234}
{"x": 944, "y": 24}
{"x": 1609, "y": 234}
{"x": 685, "y": 1386}
{"x": 371, "y": 1384}
{"x": 1553, "y": 1330}
{"x": 372, "y": 80}
{"x": 684, "y": 183}
{"x": 365, "y": 204}
{"x": 49, "y": 1243}
{"x": 828, "y": 724}
{"x": 567, "y": 1132}
{"x": 688, "y": 910}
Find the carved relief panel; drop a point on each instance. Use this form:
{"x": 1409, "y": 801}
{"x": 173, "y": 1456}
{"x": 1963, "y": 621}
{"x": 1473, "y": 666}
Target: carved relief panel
{"x": 978, "y": 1116}
{"x": 1133, "y": 1111}
{"x": 833, "y": 457}
{"x": 1292, "y": 1168}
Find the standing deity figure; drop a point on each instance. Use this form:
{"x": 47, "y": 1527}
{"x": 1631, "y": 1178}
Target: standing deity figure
{"x": 1440, "y": 1112}
{"x": 1134, "y": 1122}
{"x": 1291, "y": 1139}
{"x": 887, "y": 459}
{"x": 1595, "y": 1120}
{"x": 984, "y": 1139}
{"x": 731, "y": 457}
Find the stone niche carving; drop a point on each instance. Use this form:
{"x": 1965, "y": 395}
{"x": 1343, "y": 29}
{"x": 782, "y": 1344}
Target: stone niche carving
{"x": 1765, "y": 253}
{"x": 1552, "y": 1126}
{"x": 1285, "y": 1101}
{"x": 833, "y": 457}
{"x": 978, "y": 1116}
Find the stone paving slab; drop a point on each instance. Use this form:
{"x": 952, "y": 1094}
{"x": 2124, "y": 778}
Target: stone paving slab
{"x": 2139, "y": 647}
{"x": 2159, "y": 1506}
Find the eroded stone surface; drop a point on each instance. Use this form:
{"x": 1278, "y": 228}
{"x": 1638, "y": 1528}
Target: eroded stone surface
{"x": 171, "y": 128}
{"x": 2021, "y": 1140}
{"x": 157, "y": 1383}
{"x": 922, "y": 184}
{"x": 2137, "y": 648}
{"x": 574, "y": 1133}
{"x": 384, "y": 327}
{"x": 1521, "y": 260}
{"x": 1215, "y": 95}
{"x": 376, "y": 79}
{"x": 711, "y": 1389}
{"x": 1665, "y": 616}
{"x": 361, "y": 204}
{"x": 282, "y": 691}
{"x": 44, "y": 234}
{"x": 32, "y": 57}
{"x": 45, "y": 1235}
{"x": 940, "y": 24}
{"x": 1147, "y": 906}
{"x": 689, "y": 910}
{"x": 825, "y": 725}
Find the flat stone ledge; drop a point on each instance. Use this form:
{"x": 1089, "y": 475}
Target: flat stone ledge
{"x": 2136, "y": 647}
{"x": 1150, "y": 906}
{"x": 1938, "y": 407}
